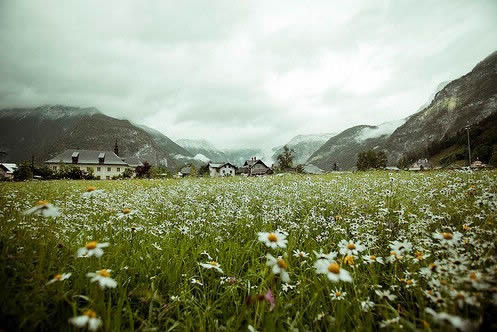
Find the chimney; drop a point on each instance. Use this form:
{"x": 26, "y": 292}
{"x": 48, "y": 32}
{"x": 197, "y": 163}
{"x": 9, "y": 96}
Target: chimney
{"x": 75, "y": 157}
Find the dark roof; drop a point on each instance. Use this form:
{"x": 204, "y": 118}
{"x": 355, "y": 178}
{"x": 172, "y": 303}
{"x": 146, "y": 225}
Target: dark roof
{"x": 87, "y": 157}
{"x": 186, "y": 170}
{"x": 252, "y": 162}
{"x": 132, "y": 161}
{"x": 219, "y": 165}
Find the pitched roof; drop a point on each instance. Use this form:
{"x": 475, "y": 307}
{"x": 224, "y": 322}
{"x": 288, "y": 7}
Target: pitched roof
{"x": 9, "y": 167}
{"x": 87, "y": 157}
{"x": 219, "y": 165}
{"x": 252, "y": 162}
{"x": 132, "y": 161}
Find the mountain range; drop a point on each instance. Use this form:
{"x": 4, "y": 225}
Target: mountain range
{"x": 44, "y": 131}
{"x": 469, "y": 100}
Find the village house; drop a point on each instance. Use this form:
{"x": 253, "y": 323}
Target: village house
{"x": 185, "y": 171}
{"x": 477, "y": 164}
{"x": 253, "y": 167}
{"x": 222, "y": 169}
{"x": 7, "y": 170}
{"x": 103, "y": 164}
{"x": 420, "y": 165}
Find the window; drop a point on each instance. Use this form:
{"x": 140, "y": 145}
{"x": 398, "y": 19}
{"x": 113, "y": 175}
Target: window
{"x": 98, "y": 169}
{"x": 119, "y": 169}
{"x": 54, "y": 168}
{"x": 109, "y": 169}
{"x": 107, "y": 177}
{"x": 98, "y": 177}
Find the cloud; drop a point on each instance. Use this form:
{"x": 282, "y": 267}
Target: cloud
{"x": 243, "y": 73}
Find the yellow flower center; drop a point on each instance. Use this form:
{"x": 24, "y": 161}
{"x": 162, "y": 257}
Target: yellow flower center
{"x": 465, "y": 227}
{"x": 126, "y": 211}
{"x": 372, "y": 257}
{"x": 351, "y": 246}
{"x": 472, "y": 276}
{"x": 459, "y": 296}
{"x": 272, "y": 237}
{"x": 409, "y": 282}
{"x": 337, "y": 294}
{"x": 90, "y": 313}
{"x": 213, "y": 263}
{"x": 349, "y": 260}
{"x": 393, "y": 253}
{"x": 281, "y": 263}
{"x": 104, "y": 273}
{"x": 334, "y": 268}
{"x": 447, "y": 236}
{"x": 39, "y": 203}
{"x": 91, "y": 245}
{"x": 301, "y": 254}
{"x": 88, "y": 189}
{"x": 58, "y": 276}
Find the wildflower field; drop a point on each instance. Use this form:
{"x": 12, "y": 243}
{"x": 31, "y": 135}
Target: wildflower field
{"x": 343, "y": 251}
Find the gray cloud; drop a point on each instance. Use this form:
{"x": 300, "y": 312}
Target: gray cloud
{"x": 240, "y": 73}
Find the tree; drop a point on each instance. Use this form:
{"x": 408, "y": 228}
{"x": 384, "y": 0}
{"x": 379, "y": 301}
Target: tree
{"x": 371, "y": 159}
{"x": 143, "y": 171}
{"x": 285, "y": 158}
{"x": 335, "y": 167}
{"x": 128, "y": 173}
{"x": 23, "y": 172}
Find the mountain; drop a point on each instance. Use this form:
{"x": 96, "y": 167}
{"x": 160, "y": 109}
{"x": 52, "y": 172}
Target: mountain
{"x": 344, "y": 147}
{"x": 47, "y": 130}
{"x": 202, "y": 149}
{"x": 466, "y": 100}
{"x": 304, "y": 146}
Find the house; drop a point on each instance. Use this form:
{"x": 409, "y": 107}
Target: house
{"x": 254, "y": 167}
{"x": 420, "y": 165}
{"x": 7, "y": 170}
{"x": 222, "y": 169}
{"x": 103, "y": 164}
{"x": 185, "y": 171}
{"x": 477, "y": 164}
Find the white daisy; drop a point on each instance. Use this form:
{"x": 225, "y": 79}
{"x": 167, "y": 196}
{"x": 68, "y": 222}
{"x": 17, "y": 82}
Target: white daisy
{"x": 43, "y": 208}
{"x": 448, "y": 238}
{"x": 273, "y": 240}
{"x": 443, "y": 317}
{"x": 338, "y": 295}
{"x": 92, "y": 248}
{"x": 300, "y": 254}
{"x": 211, "y": 265}
{"x": 350, "y": 248}
{"x": 89, "y": 317}
{"x": 386, "y": 295}
{"x": 103, "y": 278}
{"x": 332, "y": 270}
{"x": 371, "y": 259}
{"x": 59, "y": 277}
{"x": 196, "y": 282}
{"x": 399, "y": 248}
{"x": 91, "y": 192}
{"x": 278, "y": 266}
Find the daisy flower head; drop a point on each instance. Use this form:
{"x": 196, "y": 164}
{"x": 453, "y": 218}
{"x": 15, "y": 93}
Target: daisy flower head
{"x": 321, "y": 255}
{"x": 92, "y": 191}
{"x": 371, "y": 259}
{"x": 103, "y": 278}
{"x": 386, "y": 295}
{"x": 300, "y": 254}
{"x": 337, "y": 295}
{"x": 196, "y": 282}
{"x": 92, "y": 248}
{"x": 367, "y": 305}
{"x": 400, "y": 248}
{"x": 350, "y": 248}
{"x": 278, "y": 266}
{"x": 88, "y": 318}
{"x": 44, "y": 209}
{"x": 212, "y": 265}
{"x": 59, "y": 277}
{"x": 126, "y": 213}
{"x": 451, "y": 239}
{"x": 273, "y": 240}
{"x": 332, "y": 270}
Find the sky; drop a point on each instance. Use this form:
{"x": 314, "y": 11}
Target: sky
{"x": 244, "y": 73}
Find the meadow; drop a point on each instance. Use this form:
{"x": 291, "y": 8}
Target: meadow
{"x": 344, "y": 251}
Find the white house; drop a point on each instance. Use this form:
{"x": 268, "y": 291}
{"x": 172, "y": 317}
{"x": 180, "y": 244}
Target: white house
{"x": 222, "y": 169}
{"x": 103, "y": 164}
{"x": 7, "y": 170}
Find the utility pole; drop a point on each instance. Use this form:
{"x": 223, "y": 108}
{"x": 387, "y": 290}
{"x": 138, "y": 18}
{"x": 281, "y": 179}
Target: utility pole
{"x": 469, "y": 146}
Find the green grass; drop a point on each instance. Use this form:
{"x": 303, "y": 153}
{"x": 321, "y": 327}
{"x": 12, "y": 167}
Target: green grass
{"x": 155, "y": 252}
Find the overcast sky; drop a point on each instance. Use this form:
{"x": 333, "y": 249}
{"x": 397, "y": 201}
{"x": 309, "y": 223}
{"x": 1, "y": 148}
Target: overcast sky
{"x": 240, "y": 73}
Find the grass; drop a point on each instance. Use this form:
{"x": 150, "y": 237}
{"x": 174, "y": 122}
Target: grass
{"x": 154, "y": 252}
